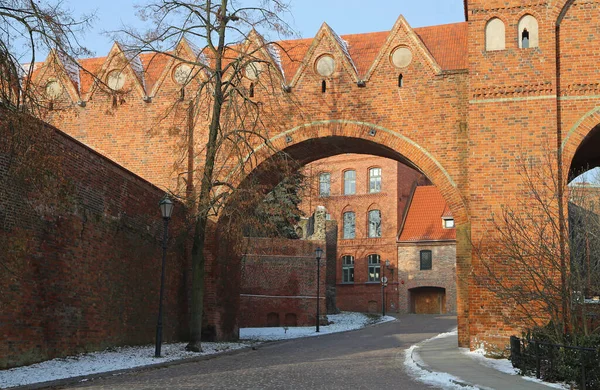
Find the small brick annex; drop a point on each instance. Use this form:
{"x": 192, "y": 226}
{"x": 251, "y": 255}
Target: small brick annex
{"x": 461, "y": 113}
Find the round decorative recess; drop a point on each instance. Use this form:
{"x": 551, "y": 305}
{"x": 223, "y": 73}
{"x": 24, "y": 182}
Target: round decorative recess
{"x": 53, "y": 89}
{"x": 182, "y": 74}
{"x": 115, "y": 80}
{"x": 401, "y": 57}
{"x": 325, "y": 65}
{"x": 253, "y": 70}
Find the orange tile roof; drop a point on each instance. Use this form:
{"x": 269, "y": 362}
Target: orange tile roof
{"x": 364, "y": 48}
{"x": 447, "y": 43}
{"x": 424, "y": 219}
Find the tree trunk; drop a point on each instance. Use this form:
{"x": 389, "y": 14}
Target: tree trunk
{"x": 198, "y": 259}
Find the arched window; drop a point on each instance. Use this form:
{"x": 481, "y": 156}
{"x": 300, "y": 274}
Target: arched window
{"x": 251, "y": 92}
{"x": 374, "y": 268}
{"x": 495, "y": 35}
{"x": 349, "y": 225}
{"x": 400, "y": 81}
{"x": 528, "y": 32}
{"x": 324, "y": 184}
{"x": 374, "y": 180}
{"x": 347, "y": 269}
{"x": 374, "y": 223}
{"x": 350, "y": 182}
{"x": 323, "y": 86}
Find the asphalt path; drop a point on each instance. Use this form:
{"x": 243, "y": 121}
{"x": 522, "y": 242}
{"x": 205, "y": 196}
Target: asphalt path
{"x": 369, "y": 358}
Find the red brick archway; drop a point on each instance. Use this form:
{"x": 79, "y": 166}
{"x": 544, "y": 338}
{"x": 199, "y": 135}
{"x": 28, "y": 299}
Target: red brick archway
{"x": 577, "y": 134}
{"x": 316, "y": 140}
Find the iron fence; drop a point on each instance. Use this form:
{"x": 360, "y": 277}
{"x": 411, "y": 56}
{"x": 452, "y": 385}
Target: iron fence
{"x": 557, "y": 362}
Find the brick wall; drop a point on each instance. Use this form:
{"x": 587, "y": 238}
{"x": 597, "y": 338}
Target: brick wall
{"x": 279, "y": 283}
{"x": 81, "y": 253}
{"x": 442, "y": 273}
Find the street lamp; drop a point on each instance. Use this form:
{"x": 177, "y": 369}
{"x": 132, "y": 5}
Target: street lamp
{"x": 166, "y": 209}
{"x": 383, "y": 286}
{"x": 318, "y": 254}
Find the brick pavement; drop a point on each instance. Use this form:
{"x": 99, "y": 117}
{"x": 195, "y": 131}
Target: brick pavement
{"x": 364, "y": 359}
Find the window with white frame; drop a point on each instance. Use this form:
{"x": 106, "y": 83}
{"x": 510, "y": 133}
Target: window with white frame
{"x": 349, "y": 224}
{"x": 374, "y": 223}
{"x": 324, "y": 184}
{"x": 448, "y": 223}
{"x": 375, "y": 180}
{"x": 347, "y": 269}
{"x": 349, "y": 182}
{"x": 374, "y": 268}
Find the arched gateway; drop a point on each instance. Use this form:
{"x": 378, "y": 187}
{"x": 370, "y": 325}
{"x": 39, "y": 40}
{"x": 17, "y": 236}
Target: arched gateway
{"x": 437, "y": 98}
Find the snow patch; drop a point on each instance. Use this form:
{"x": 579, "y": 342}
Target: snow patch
{"x": 505, "y": 366}
{"x": 121, "y": 358}
{"x": 111, "y": 359}
{"x": 413, "y": 364}
{"x": 341, "y": 322}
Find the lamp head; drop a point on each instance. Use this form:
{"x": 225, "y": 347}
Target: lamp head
{"x": 166, "y": 207}
{"x": 318, "y": 252}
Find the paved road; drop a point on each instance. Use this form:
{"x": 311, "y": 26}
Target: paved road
{"x": 370, "y": 358}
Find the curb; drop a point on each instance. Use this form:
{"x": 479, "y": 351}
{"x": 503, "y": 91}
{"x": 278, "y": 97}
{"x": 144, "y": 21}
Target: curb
{"x": 58, "y": 383}
{"x": 425, "y": 367}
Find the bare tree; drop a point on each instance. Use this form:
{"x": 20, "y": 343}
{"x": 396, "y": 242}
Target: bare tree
{"x": 26, "y": 28}
{"x": 522, "y": 262}
{"x": 221, "y": 82}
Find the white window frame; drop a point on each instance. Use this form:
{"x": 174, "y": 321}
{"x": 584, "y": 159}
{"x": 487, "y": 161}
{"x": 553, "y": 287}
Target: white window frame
{"x": 324, "y": 180}
{"x": 350, "y": 182}
{"x": 374, "y": 270}
{"x": 375, "y": 180}
{"x": 348, "y": 234}
{"x": 374, "y": 224}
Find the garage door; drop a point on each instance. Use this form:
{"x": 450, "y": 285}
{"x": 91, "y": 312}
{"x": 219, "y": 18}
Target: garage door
{"x": 428, "y": 300}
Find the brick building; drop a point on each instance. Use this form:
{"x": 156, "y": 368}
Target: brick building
{"x": 464, "y": 103}
{"x": 367, "y": 196}
{"x": 427, "y": 255}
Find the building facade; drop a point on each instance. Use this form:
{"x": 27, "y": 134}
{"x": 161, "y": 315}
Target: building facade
{"x": 427, "y": 255}
{"x": 465, "y": 103}
{"x": 366, "y": 195}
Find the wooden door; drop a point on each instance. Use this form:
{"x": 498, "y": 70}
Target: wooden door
{"x": 428, "y": 301}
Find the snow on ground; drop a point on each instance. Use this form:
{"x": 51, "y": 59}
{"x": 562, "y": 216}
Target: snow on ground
{"x": 413, "y": 364}
{"x": 112, "y": 359}
{"x": 341, "y": 322}
{"x": 505, "y": 366}
{"x": 121, "y": 358}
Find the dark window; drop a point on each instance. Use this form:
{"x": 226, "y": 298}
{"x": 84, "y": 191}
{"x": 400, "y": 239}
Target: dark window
{"x": 251, "y": 89}
{"x": 425, "y": 260}
{"x": 400, "y": 81}
{"x": 348, "y": 269}
{"x": 374, "y": 223}
{"x": 374, "y": 268}
{"x": 323, "y": 86}
{"x": 525, "y": 39}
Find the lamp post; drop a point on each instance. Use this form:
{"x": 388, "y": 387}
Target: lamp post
{"x": 318, "y": 254}
{"x": 383, "y": 286}
{"x": 166, "y": 209}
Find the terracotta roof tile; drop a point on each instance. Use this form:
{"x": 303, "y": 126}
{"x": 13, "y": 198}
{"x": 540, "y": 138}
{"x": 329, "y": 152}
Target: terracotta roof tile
{"x": 447, "y": 43}
{"x": 424, "y": 219}
{"x": 364, "y": 48}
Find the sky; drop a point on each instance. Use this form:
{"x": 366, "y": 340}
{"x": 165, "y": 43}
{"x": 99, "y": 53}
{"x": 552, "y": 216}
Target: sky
{"x": 344, "y": 16}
